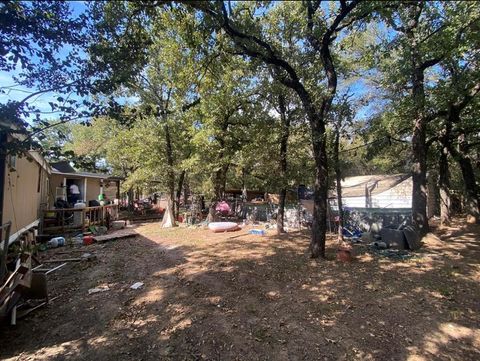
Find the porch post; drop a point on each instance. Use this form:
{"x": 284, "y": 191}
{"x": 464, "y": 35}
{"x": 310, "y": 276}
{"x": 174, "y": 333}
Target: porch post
{"x": 85, "y": 190}
{"x": 65, "y": 198}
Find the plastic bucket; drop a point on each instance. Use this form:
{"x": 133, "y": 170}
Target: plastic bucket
{"x": 87, "y": 240}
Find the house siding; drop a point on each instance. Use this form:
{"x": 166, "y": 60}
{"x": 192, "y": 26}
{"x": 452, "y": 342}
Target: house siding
{"x": 23, "y": 195}
{"x": 93, "y": 187}
{"x": 56, "y": 180}
{"x": 353, "y": 202}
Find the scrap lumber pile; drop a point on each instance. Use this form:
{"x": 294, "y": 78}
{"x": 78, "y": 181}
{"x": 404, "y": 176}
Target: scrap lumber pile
{"x": 23, "y": 283}
{"x": 18, "y": 281}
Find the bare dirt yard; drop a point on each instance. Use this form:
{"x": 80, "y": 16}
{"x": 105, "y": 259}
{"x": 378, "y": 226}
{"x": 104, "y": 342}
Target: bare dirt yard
{"x": 235, "y": 296}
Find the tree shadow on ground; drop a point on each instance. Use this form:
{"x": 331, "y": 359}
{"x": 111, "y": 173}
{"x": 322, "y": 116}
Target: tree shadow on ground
{"x": 235, "y": 296}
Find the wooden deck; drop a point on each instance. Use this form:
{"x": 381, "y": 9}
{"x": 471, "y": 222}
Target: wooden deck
{"x": 65, "y": 220}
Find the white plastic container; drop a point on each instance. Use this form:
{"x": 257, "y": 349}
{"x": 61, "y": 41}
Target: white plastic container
{"x": 56, "y": 242}
{"x": 78, "y": 216}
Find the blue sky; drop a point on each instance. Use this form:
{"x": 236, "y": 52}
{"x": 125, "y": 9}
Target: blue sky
{"x": 17, "y": 93}
{"x": 14, "y": 92}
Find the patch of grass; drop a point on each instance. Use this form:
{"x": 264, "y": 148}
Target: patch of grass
{"x": 456, "y": 314}
{"x": 251, "y": 309}
{"x": 451, "y": 272}
{"x": 324, "y": 308}
{"x": 445, "y": 291}
{"x": 261, "y": 334}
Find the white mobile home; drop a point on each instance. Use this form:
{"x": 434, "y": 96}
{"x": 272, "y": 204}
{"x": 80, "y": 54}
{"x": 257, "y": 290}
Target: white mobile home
{"x": 24, "y": 183}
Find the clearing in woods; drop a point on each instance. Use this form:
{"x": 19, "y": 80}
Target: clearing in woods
{"x": 235, "y": 296}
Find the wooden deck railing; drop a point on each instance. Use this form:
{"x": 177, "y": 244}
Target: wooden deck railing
{"x": 70, "y": 219}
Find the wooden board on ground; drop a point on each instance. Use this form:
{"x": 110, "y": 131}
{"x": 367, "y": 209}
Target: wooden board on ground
{"x": 114, "y": 236}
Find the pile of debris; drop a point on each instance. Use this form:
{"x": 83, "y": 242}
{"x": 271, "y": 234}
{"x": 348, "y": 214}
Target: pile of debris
{"x": 402, "y": 238}
{"x": 23, "y": 277}
{"x": 394, "y": 243}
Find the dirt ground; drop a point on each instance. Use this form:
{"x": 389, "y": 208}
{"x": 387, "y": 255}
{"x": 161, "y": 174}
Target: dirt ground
{"x": 235, "y": 296}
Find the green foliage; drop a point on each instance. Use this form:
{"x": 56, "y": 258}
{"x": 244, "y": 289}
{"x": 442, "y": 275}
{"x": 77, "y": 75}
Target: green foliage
{"x": 205, "y": 102}
{"x": 42, "y": 44}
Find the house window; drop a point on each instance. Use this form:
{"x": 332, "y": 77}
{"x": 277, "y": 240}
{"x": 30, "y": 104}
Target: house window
{"x": 12, "y": 162}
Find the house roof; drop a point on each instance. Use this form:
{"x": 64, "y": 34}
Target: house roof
{"x": 65, "y": 168}
{"x": 62, "y": 167}
{"x": 355, "y": 186}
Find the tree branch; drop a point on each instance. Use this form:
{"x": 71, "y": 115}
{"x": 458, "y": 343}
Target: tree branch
{"x": 430, "y": 62}
{"x": 45, "y": 91}
{"x": 186, "y": 107}
{"x": 440, "y": 28}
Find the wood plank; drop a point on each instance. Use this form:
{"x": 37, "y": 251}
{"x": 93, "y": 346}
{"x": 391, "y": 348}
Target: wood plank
{"x": 26, "y": 312}
{"x": 114, "y": 236}
{"x": 67, "y": 260}
{"x": 56, "y": 268}
{"x": 7, "y": 289}
{"x": 25, "y": 282}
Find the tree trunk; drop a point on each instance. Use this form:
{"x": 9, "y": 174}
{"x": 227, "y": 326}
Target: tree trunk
{"x": 181, "y": 180}
{"x": 186, "y": 190}
{"x": 130, "y": 199}
{"x": 211, "y": 211}
{"x": 338, "y": 181}
{"x": 317, "y": 127}
{"x": 221, "y": 181}
{"x": 471, "y": 194}
{"x": 170, "y": 175}
{"x": 285, "y": 133}
{"x": 220, "y": 177}
{"x": 244, "y": 194}
{"x": 460, "y": 154}
{"x": 281, "y": 211}
{"x": 432, "y": 194}
{"x": 419, "y": 147}
{"x": 444, "y": 175}
{"x": 472, "y": 203}
{"x": 419, "y": 177}
{"x": 319, "y": 225}
{"x": 219, "y": 185}
{"x": 168, "y": 219}
{"x": 444, "y": 188}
